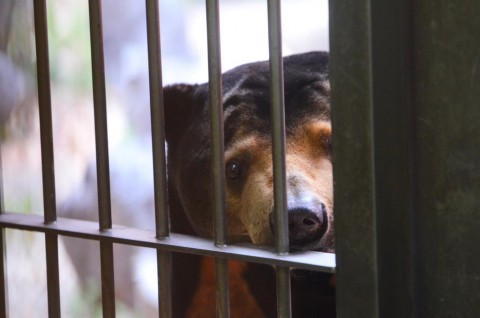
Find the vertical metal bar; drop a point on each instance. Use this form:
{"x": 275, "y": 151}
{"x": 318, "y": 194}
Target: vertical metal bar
{"x": 216, "y": 109}
{"x": 107, "y": 274}
{"x": 278, "y": 154}
{"x": 100, "y": 113}
{"x": 101, "y": 144}
{"x": 53, "y": 280}
{"x": 394, "y": 156}
{"x": 3, "y": 275}
{"x": 45, "y": 111}
{"x": 164, "y": 270}
{"x": 447, "y": 156}
{"x": 278, "y": 125}
{"x": 158, "y": 119}
{"x": 353, "y": 157}
{"x": 46, "y": 139}
{"x": 162, "y": 221}
{"x": 3, "y": 252}
{"x": 218, "y": 171}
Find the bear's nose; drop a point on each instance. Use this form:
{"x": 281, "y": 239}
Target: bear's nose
{"x": 305, "y": 227}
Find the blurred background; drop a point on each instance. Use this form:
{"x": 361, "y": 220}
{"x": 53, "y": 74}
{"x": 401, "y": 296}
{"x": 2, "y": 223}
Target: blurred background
{"x": 184, "y": 56}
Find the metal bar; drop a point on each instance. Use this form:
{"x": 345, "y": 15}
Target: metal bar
{"x": 164, "y": 270}
{"x": 162, "y": 220}
{"x": 53, "y": 279}
{"x": 101, "y": 145}
{"x": 218, "y": 170}
{"x": 46, "y": 140}
{"x": 284, "y": 306}
{"x": 353, "y": 157}
{"x": 394, "y": 156}
{"x": 100, "y": 113}
{"x": 108, "y": 284}
{"x": 3, "y": 250}
{"x": 222, "y": 292}
{"x": 158, "y": 119}
{"x": 324, "y": 262}
{"x": 3, "y": 275}
{"x": 216, "y": 112}
{"x": 447, "y": 153}
{"x": 45, "y": 110}
{"x": 278, "y": 154}
{"x": 278, "y": 125}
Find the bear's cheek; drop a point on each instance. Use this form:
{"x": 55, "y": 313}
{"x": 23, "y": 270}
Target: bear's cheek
{"x": 257, "y": 198}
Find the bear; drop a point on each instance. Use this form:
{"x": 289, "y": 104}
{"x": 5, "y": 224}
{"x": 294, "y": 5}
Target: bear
{"x": 249, "y": 177}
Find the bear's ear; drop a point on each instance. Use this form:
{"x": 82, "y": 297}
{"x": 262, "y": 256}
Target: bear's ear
{"x": 178, "y": 104}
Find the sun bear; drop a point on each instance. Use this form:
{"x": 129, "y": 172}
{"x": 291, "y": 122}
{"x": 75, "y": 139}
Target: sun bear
{"x": 248, "y": 169}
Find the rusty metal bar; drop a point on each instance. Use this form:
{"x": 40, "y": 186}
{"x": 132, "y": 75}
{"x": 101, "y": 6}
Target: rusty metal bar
{"x": 46, "y": 140}
{"x": 101, "y": 144}
{"x": 315, "y": 261}
{"x": 218, "y": 170}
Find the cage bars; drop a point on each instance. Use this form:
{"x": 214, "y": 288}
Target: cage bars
{"x": 164, "y": 241}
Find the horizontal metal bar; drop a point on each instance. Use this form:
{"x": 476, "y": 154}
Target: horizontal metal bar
{"x": 324, "y": 262}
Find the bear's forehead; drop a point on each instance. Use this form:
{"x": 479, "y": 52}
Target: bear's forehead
{"x": 250, "y": 109}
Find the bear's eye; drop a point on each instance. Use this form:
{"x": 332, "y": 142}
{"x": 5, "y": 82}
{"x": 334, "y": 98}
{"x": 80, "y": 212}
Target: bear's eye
{"x": 233, "y": 170}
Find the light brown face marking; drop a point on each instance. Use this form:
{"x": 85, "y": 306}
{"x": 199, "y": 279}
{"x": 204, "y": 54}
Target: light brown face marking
{"x": 309, "y": 180}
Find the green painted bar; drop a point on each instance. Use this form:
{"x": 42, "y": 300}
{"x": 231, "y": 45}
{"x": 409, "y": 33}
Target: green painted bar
{"x": 406, "y": 117}
{"x": 394, "y": 129}
{"x": 352, "y": 121}
{"x": 447, "y": 100}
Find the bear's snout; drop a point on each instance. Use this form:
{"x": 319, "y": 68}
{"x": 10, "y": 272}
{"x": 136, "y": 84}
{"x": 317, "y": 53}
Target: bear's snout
{"x": 306, "y": 227}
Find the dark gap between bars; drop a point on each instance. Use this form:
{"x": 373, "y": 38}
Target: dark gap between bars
{"x": 101, "y": 144}
{"x": 46, "y": 141}
{"x": 162, "y": 219}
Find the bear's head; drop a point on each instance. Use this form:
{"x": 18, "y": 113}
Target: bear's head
{"x": 248, "y": 148}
